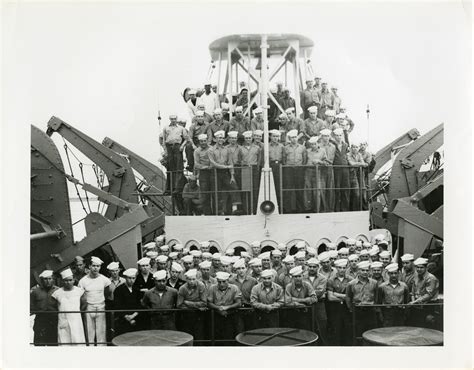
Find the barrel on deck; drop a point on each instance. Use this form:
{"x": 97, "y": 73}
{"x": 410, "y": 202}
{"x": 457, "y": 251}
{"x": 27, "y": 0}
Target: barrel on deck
{"x": 277, "y": 337}
{"x": 154, "y": 338}
{"x": 403, "y": 336}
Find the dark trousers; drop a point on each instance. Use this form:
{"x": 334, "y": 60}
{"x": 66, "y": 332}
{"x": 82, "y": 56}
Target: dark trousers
{"x": 163, "y": 322}
{"x": 251, "y": 182}
{"x": 299, "y": 318}
{"x": 275, "y": 165}
{"x": 341, "y": 323}
{"x": 226, "y": 192}
{"x": 366, "y": 319}
{"x": 293, "y": 200}
{"x": 192, "y": 323}
{"x": 226, "y": 328}
{"x": 342, "y": 185}
{"x": 174, "y": 164}
{"x": 191, "y": 208}
{"x": 206, "y": 186}
{"x": 393, "y": 316}
{"x": 248, "y": 319}
{"x": 189, "y": 156}
{"x": 355, "y": 185}
{"x": 46, "y": 330}
{"x": 268, "y": 319}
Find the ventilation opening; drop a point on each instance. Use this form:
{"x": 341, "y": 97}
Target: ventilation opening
{"x": 432, "y": 201}
{"x": 213, "y": 249}
{"x": 322, "y": 248}
{"x": 238, "y": 251}
{"x": 293, "y": 250}
{"x": 193, "y": 247}
{"x": 341, "y": 245}
{"x": 267, "y": 248}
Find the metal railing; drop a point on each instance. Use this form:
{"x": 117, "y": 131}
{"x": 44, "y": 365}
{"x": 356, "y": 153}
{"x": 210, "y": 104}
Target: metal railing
{"x": 309, "y": 310}
{"x": 312, "y": 187}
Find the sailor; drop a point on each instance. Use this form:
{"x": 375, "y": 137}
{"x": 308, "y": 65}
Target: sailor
{"x": 174, "y": 280}
{"x": 160, "y": 240}
{"x": 279, "y": 90}
{"x": 364, "y": 255}
{"x": 350, "y": 244}
{"x": 256, "y": 265}
{"x": 192, "y": 295}
{"x": 374, "y": 253}
{"x": 210, "y": 99}
{"x": 336, "y": 100}
{"x": 369, "y": 159}
{"x": 326, "y": 174}
{"x": 204, "y": 246}
{"x": 343, "y": 253}
{"x": 312, "y": 125}
{"x": 376, "y": 269}
{"x": 79, "y": 269}
{"x": 245, "y": 283}
{"x": 275, "y": 155}
{"x": 179, "y": 249}
{"x": 317, "y": 84}
{"x": 319, "y": 283}
{"x": 202, "y": 167}
{"x": 300, "y": 259}
{"x": 204, "y": 274}
{"x": 221, "y": 160}
{"x": 192, "y": 198}
{"x": 331, "y": 124}
{"x": 325, "y": 98}
{"x": 267, "y": 297}
{"x": 286, "y": 101}
{"x": 393, "y": 292}
{"x": 224, "y": 299}
{"x": 197, "y": 128}
{"x": 311, "y": 253}
{"x": 115, "y": 278}
{"x": 96, "y": 287}
{"x": 252, "y": 156}
{"x": 408, "y": 270}
{"x": 226, "y": 264}
{"x": 257, "y": 140}
{"x": 276, "y": 256}
{"x": 216, "y": 264}
{"x": 283, "y": 128}
{"x": 239, "y": 123}
{"x": 200, "y": 107}
{"x": 218, "y": 124}
{"x": 70, "y": 298}
{"x": 340, "y": 319}
{"x": 326, "y": 269}
{"x": 362, "y": 290}
{"x": 385, "y": 258}
{"x": 341, "y": 173}
{"x": 175, "y": 138}
{"x": 256, "y": 247}
{"x": 144, "y": 280}
{"x": 127, "y": 297}
{"x": 46, "y": 325}
{"x": 383, "y": 245}
{"x": 283, "y": 249}
{"x": 309, "y": 97}
{"x": 162, "y": 262}
{"x": 161, "y": 297}
{"x": 257, "y": 122}
{"x": 294, "y": 123}
{"x": 313, "y": 194}
{"x": 333, "y": 256}
{"x": 273, "y": 111}
{"x": 356, "y": 177}
{"x": 351, "y": 271}
{"x": 294, "y": 159}
{"x": 285, "y": 278}
{"x": 152, "y": 255}
{"x": 425, "y": 286}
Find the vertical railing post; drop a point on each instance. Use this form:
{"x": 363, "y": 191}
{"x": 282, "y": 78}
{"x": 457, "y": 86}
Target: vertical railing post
{"x": 213, "y": 327}
{"x": 361, "y": 188}
{"x": 281, "y": 186}
{"x": 354, "y": 334}
{"x": 216, "y": 198}
{"x": 112, "y": 323}
{"x": 251, "y": 190}
{"x": 313, "y": 318}
{"x": 317, "y": 188}
{"x": 171, "y": 192}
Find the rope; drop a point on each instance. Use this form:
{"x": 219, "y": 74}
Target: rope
{"x": 83, "y": 181}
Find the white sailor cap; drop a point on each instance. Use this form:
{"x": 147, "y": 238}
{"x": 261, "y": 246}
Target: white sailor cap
{"x": 376, "y": 265}
{"x": 276, "y": 252}
{"x": 267, "y": 273}
{"x": 196, "y": 253}
{"x": 226, "y": 260}
{"x": 343, "y": 251}
{"x": 219, "y": 133}
{"x": 313, "y": 109}
{"x": 152, "y": 254}
{"x": 205, "y": 244}
{"x": 289, "y": 259}
{"x": 173, "y": 116}
{"x": 326, "y": 132}
{"x": 192, "y": 91}
{"x": 239, "y": 108}
{"x": 192, "y": 273}
{"x": 283, "y": 115}
{"x": 340, "y": 262}
{"x": 329, "y": 113}
{"x": 176, "y": 267}
{"x": 312, "y": 251}
{"x": 113, "y": 266}
{"x": 363, "y": 265}
{"x": 255, "y": 262}
{"x": 374, "y": 251}
{"x": 247, "y": 134}
{"x": 350, "y": 241}
{"x": 379, "y": 237}
{"x": 162, "y": 258}
{"x": 244, "y": 254}
{"x": 66, "y": 273}
{"x": 292, "y": 133}
{"x": 258, "y": 132}
{"x": 391, "y": 267}
{"x": 275, "y": 132}
{"x": 149, "y": 245}
{"x": 353, "y": 257}
{"x": 96, "y": 260}
{"x": 160, "y": 275}
{"x": 143, "y": 261}
{"x": 312, "y": 261}
{"x": 385, "y": 254}
{"x": 323, "y": 257}
{"x": 340, "y": 115}
{"x": 232, "y": 134}
{"x": 217, "y": 111}
{"x": 364, "y": 252}
{"x": 313, "y": 139}
{"x": 264, "y": 256}
{"x": 331, "y": 246}
{"x": 185, "y": 250}
{"x": 282, "y": 247}
{"x": 332, "y": 254}
{"x": 258, "y": 110}
{"x": 290, "y": 110}
{"x": 255, "y": 243}
{"x": 187, "y": 259}
{"x": 206, "y": 255}
{"x": 407, "y": 257}
{"x": 205, "y": 264}
{"x": 199, "y": 113}
{"x": 300, "y": 254}
{"x": 273, "y": 89}
{"x": 421, "y": 261}
{"x": 358, "y": 243}
{"x": 338, "y": 131}
{"x": 366, "y": 245}
{"x": 295, "y": 271}
{"x": 131, "y": 272}
{"x": 239, "y": 263}
{"x": 221, "y": 275}
{"x": 202, "y": 137}
{"x": 165, "y": 248}
{"x": 178, "y": 247}
{"x": 216, "y": 256}
{"x": 160, "y": 238}
{"x": 224, "y": 106}
{"x": 173, "y": 255}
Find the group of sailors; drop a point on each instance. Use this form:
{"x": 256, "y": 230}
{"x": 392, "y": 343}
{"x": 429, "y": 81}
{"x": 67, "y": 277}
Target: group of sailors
{"x": 173, "y": 277}
{"x": 320, "y": 170}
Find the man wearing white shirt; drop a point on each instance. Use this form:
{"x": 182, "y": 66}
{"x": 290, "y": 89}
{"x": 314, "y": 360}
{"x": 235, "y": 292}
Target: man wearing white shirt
{"x": 210, "y": 99}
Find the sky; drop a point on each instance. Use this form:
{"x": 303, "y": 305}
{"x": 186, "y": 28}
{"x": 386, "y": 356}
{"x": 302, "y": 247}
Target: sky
{"x": 107, "y": 68}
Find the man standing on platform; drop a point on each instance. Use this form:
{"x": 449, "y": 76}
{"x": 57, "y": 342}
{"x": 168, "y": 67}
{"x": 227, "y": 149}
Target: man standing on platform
{"x": 218, "y": 124}
{"x": 309, "y": 97}
{"x": 161, "y": 297}
{"x": 46, "y": 325}
{"x": 408, "y": 270}
{"x": 252, "y": 156}
{"x": 202, "y": 166}
{"x": 267, "y": 297}
{"x": 97, "y": 289}
{"x": 239, "y": 123}
{"x": 175, "y": 138}
{"x": 197, "y": 129}
{"x": 127, "y": 297}
{"x": 327, "y": 173}
{"x": 393, "y": 292}
{"x": 341, "y": 173}
{"x": 245, "y": 283}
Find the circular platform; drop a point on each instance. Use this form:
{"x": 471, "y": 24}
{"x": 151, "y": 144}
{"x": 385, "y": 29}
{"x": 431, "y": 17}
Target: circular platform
{"x": 154, "y": 338}
{"x": 277, "y": 337}
{"x": 403, "y": 336}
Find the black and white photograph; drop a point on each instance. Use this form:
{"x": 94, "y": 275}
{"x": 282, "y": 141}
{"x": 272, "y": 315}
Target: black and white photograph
{"x": 235, "y": 175}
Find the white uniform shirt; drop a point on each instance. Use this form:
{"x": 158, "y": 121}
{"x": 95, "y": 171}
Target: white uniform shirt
{"x": 94, "y": 288}
{"x": 210, "y": 102}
